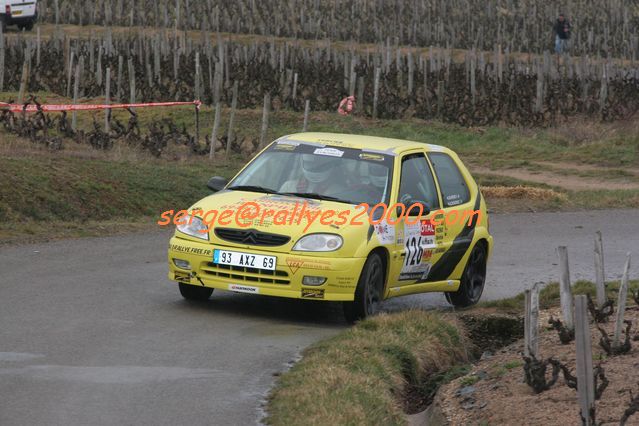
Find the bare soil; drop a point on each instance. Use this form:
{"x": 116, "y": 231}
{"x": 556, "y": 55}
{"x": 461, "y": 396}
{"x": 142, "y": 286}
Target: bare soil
{"x": 584, "y": 167}
{"x": 566, "y": 181}
{"x": 494, "y": 393}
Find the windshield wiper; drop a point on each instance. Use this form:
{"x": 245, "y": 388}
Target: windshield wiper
{"x": 316, "y": 196}
{"x": 252, "y": 188}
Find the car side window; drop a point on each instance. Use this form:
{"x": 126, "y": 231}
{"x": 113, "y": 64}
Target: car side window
{"x": 416, "y": 182}
{"x": 451, "y": 181}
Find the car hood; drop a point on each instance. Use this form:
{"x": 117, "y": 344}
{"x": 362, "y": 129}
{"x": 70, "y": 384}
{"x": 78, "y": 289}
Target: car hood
{"x": 292, "y": 217}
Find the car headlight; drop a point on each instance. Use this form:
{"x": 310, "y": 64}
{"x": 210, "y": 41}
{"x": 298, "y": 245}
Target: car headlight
{"x": 319, "y": 242}
{"x": 196, "y": 228}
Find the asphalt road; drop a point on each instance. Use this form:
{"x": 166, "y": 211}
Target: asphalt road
{"x": 92, "y": 332}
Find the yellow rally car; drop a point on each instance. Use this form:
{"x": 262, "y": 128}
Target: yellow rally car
{"x": 426, "y": 228}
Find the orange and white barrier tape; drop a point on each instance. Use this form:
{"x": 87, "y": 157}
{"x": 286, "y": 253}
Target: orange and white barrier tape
{"x": 59, "y": 108}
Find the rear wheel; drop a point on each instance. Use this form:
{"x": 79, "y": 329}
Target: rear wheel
{"x": 472, "y": 281}
{"x": 194, "y": 292}
{"x": 3, "y": 24}
{"x": 369, "y": 291}
{"x": 26, "y": 26}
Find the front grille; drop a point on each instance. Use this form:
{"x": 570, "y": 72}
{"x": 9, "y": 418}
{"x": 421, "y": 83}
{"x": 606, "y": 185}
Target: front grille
{"x": 246, "y": 274}
{"x": 251, "y": 237}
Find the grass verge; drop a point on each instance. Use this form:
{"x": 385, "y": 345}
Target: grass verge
{"x": 370, "y": 373}
{"x": 62, "y": 197}
{"x": 361, "y": 376}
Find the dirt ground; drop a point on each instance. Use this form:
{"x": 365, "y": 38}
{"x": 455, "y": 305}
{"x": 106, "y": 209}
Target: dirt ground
{"x": 564, "y": 180}
{"x": 494, "y": 393}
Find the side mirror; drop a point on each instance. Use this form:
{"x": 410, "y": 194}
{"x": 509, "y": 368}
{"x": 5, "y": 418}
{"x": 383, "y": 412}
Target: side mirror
{"x": 217, "y": 183}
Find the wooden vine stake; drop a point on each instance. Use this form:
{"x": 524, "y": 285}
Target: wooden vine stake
{"x": 197, "y": 124}
{"x": 38, "y": 45}
{"x": 295, "y": 77}
{"x": 107, "y": 101}
{"x": 531, "y": 321}
{"x": 621, "y": 303}
{"x": 230, "y": 134}
{"x": 214, "y": 132}
{"x": 70, "y": 74}
{"x": 131, "y": 81}
{"x": 376, "y": 91}
{"x": 307, "y": 109}
{"x": 218, "y": 110}
{"x": 1, "y": 60}
{"x": 265, "y": 113}
{"x": 599, "y": 270}
{"x": 565, "y": 291}
{"x": 24, "y": 81}
{"x": 76, "y": 92}
{"x": 585, "y": 377}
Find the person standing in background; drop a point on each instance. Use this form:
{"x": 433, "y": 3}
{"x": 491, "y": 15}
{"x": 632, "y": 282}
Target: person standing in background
{"x": 562, "y": 33}
{"x": 346, "y": 106}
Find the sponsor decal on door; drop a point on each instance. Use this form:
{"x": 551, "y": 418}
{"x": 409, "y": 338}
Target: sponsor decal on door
{"x": 419, "y": 241}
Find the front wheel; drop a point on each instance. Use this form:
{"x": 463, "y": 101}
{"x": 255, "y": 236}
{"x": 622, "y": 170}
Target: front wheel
{"x": 194, "y": 292}
{"x": 368, "y": 294}
{"x": 472, "y": 281}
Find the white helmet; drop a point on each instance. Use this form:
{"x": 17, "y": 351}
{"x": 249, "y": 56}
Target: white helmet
{"x": 378, "y": 174}
{"x": 317, "y": 168}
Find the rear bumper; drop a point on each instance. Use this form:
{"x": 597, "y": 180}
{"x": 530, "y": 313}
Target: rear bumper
{"x": 341, "y": 273}
{"x": 20, "y": 19}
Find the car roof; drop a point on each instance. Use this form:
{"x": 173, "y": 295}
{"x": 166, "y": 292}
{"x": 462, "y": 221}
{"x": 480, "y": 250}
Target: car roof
{"x": 365, "y": 142}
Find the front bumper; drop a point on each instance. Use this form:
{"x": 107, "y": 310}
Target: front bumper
{"x": 341, "y": 273}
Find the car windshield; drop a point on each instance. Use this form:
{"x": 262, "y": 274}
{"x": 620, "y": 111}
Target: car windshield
{"x": 347, "y": 175}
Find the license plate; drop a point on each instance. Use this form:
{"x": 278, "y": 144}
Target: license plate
{"x": 16, "y": 13}
{"x": 247, "y": 260}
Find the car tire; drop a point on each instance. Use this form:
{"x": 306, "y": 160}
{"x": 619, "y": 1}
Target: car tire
{"x": 194, "y": 292}
{"x": 28, "y": 26}
{"x": 473, "y": 279}
{"x": 3, "y": 24}
{"x": 369, "y": 291}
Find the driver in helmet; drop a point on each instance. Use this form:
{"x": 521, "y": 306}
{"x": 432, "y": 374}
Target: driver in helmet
{"x": 378, "y": 175}
{"x": 319, "y": 175}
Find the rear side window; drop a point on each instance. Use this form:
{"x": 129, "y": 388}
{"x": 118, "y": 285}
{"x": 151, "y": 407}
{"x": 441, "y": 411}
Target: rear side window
{"x": 451, "y": 181}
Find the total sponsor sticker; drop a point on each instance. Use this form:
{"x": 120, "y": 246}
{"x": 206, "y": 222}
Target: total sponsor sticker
{"x": 427, "y": 232}
{"x": 243, "y": 289}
